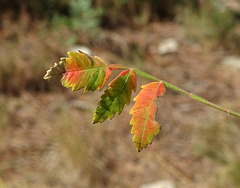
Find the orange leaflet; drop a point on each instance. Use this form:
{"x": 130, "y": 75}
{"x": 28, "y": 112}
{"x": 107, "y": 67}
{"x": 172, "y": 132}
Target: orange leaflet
{"x": 80, "y": 71}
{"x": 144, "y": 126}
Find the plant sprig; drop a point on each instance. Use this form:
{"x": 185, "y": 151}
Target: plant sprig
{"x": 83, "y": 71}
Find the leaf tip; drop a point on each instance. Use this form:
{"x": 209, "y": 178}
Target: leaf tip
{"x": 94, "y": 122}
{"x": 70, "y": 54}
{"x": 95, "y": 119}
{"x": 46, "y": 77}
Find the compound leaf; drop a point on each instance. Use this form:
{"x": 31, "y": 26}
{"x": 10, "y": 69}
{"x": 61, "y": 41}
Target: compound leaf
{"x": 144, "y": 126}
{"x": 116, "y": 96}
{"x": 80, "y": 71}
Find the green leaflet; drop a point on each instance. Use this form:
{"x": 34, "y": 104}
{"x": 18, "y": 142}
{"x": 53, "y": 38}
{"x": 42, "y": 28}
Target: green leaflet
{"x": 116, "y": 96}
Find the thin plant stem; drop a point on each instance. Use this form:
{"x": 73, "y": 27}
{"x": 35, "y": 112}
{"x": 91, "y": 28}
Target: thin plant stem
{"x": 191, "y": 95}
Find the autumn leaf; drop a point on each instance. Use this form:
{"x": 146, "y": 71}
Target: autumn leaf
{"x": 144, "y": 126}
{"x": 80, "y": 71}
{"x": 116, "y": 96}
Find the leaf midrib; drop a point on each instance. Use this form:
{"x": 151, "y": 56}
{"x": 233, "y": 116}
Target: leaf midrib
{"x": 147, "y": 116}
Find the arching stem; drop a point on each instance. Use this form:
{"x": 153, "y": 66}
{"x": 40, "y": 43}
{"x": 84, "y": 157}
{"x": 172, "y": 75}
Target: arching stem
{"x": 193, "y": 96}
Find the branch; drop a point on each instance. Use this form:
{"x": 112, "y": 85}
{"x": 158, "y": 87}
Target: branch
{"x": 191, "y": 95}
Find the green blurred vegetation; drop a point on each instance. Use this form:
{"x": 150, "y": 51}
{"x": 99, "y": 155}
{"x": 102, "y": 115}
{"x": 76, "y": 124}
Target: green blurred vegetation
{"x": 219, "y": 143}
{"x": 213, "y": 24}
{"x": 204, "y": 21}
{"x": 103, "y": 12}
{"x": 210, "y": 20}
{"x": 36, "y": 9}
{"x": 81, "y": 16}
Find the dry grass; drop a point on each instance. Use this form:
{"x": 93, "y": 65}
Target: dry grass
{"x": 26, "y": 49}
{"x": 213, "y": 25}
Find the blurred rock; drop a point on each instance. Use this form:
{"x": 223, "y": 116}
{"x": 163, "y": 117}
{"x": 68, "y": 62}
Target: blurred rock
{"x": 159, "y": 184}
{"x": 81, "y": 105}
{"x": 81, "y": 48}
{"x": 168, "y": 46}
{"x": 232, "y": 62}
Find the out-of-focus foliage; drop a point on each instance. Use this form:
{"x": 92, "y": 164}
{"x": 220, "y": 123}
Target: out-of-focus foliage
{"x": 211, "y": 23}
{"x": 82, "y": 15}
{"x": 37, "y": 9}
{"x": 2, "y": 115}
{"x": 221, "y": 148}
{"x": 135, "y": 12}
{"x": 75, "y": 14}
{"x": 89, "y": 13}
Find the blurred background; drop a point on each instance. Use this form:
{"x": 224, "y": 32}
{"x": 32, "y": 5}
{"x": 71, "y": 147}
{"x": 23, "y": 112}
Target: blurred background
{"x": 46, "y": 136}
